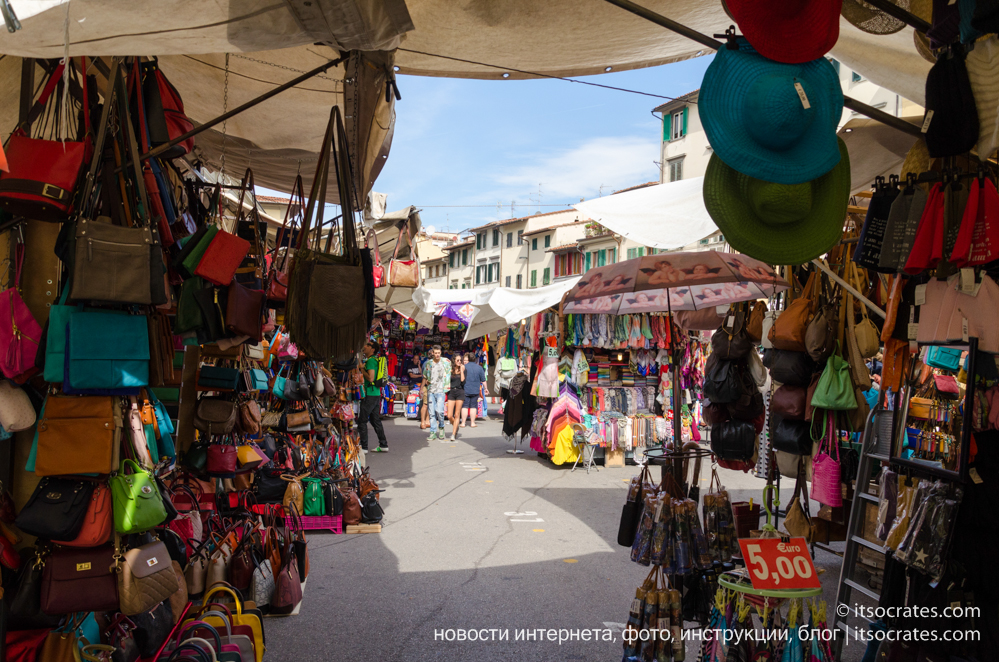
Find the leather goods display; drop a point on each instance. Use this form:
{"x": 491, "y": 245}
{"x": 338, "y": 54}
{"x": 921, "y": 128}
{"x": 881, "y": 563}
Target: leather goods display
{"x": 244, "y": 310}
{"x": 112, "y": 263}
{"x": 250, "y": 417}
{"x": 221, "y": 461}
{"x": 24, "y": 599}
{"x": 867, "y": 335}
{"x": 19, "y": 332}
{"x": 145, "y": 578}
{"x": 98, "y": 522}
{"x": 835, "y": 387}
{"x": 300, "y": 545}
{"x": 165, "y": 111}
{"x": 217, "y": 378}
{"x": 56, "y": 509}
{"x": 797, "y": 521}
{"x": 269, "y": 486}
{"x": 351, "y": 507}
{"x": 77, "y": 435}
{"x": 721, "y": 381}
{"x": 826, "y": 470}
{"x": 788, "y": 330}
{"x": 754, "y": 323}
{"x": 788, "y": 402}
{"x": 371, "y": 510}
{"x": 215, "y": 416}
{"x": 107, "y": 350}
{"x": 294, "y": 494}
{"x": 298, "y": 419}
{"x": 120, "y": 633}
{"x": 42, "y": 174}
{"x": 333, "y": 499}
{"x": 404, "y": 273}
{"x": 242, "y": 617}
{"x": 794, "y": 368}
{"x": 178, "y": 601}
{"x": 16, "y": 411}
{"x": 313, "y": 503}
{"x": 248, "y": 457}
{"x": 287, "y": 583}
{"x": 243, "y": 643}
{"x": 138, "y": 505}
{"x": 730, "y": 341}
{"x": 79, "y": 579}
{"x": 257, "y": 379}
{"x": 222, "y": 257}
{"x": 714, "y": 413}
{"x": 262, "y": 584}
{"x": 820, "y": 336}
{"x": 793, "y": 437}
{"x": 734, "y": 440}
{"x": 277, "y": 281}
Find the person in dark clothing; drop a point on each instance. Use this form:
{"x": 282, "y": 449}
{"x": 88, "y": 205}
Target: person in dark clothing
{"x": 475, "y": 376}
{"x": 371, "y": 404}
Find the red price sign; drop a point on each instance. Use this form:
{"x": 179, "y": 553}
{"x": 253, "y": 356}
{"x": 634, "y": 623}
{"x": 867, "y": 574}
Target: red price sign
{"x": 775, "y": 564}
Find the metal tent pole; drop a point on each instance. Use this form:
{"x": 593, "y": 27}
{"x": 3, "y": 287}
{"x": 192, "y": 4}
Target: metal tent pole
{"x": 852, "y": 104}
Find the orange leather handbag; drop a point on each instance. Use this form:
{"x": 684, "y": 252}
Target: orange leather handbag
{"x": 788, "y": 331}
{"x": 97, "y": 523}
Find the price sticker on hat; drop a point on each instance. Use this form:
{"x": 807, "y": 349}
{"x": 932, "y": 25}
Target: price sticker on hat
{"x": 926, "y": 121}
{"x": 801, "y": 95}
{"x": 776, "y": 564}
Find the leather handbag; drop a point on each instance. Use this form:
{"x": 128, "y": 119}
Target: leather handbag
{"x": 215, "y": 416}
{"x": 826, "y": 470}
{"x": 734, "y": 440}
{"x": 221, "y": 460}
{"x": 865, "y": 332}
{"x": 120, "y": 633}
{"x": 262, "y": 584}
{"x": 165, "y": 111}
{"x": 178, "y": 601}
{"x": 788, "y": 330}
{"x": 218, "y": 564}
{"x": 721, "y": 381}
{"x": 377, "y": 270}
{"x": 196, "y": 572}
{"x": 250, "y": 417}
{"x": 332, "y": 498}
{"x": 351, "y": 507}
{"x": 248, "y": 457}
{"x": 98, "y": 523}
{"x": 788, "y": 402}
{"x": 294, "y": 494}
{"x": 217, "y": 378}
{"x": 152, "y": 628}
{"x": 793, "y": 437}
{"x": 77, "y": 435}
{"x": 296, "y": 420}
{"x": 138, "y": 505}
{"x": 404, "y": 273}
{"x": 222, "y": 257}
{"x": 945, "y": 358}
{"x": 754, "y": 323}
{"x": 794, "y": 368}
{"x": 287, "y": 583}
{"x": 705, "y": 319}
{"x": 730, "y": 341}
{"x": 106, "y": 350}
{"x": 24, "y": 599}
{"x": 100, "y": 243}
{"x": 20, "y": 334}
{"x": 714, "y": 413}
{"x": 145, "y": 578}
{"x": 314, "y": 504}
{"x": 257, "y": 379}
{"x": 371, "y": 511}
{"x": 56, "y": 510}
{"x": 269, "y": 486}
{"x": 835, "y": 388}
{"x": 277, "y": 281}
{"x": 40, "y": 182}
{"x": 241, "y": 567}
{"x": 243, "y": 643}
{"x": 16, "y": 411}
{"x": 244, "y": 310}
{"x": 242, "y": 617}
{"x": 797, "y": 521}
{"x": 300, "y": 544}
{"x": 820, "y": 337}
{"x": 79, "y": 579}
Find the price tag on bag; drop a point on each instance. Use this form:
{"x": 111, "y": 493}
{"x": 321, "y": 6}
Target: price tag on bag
{"x": 775, "y": 564}
{"x": 921, "y": 294}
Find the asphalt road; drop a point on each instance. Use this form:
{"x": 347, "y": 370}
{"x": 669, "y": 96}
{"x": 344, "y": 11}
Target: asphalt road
{"x": 476, "y": 539}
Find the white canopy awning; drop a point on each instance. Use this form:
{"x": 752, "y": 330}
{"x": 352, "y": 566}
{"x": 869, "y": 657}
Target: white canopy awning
{"x": 494, "y": 309}
{"x": 661, "y": 216}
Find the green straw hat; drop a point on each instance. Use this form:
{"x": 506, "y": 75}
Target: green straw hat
{"x": 778, "y": 223}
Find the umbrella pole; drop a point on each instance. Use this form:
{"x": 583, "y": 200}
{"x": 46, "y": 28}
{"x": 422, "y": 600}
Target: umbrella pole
{"x": 676, "y": 464}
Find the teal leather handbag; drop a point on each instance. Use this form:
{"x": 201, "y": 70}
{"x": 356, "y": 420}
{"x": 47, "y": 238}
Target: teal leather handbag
{"x": 279, "y": 385}
{"x": 108, "y": 351}
{"x": 945, "y": 358}
{"x": 257, "y": 379}
{"x": 136, "y": 500}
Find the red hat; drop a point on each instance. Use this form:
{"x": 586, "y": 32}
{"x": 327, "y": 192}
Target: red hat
{"x": 791, "y": 31}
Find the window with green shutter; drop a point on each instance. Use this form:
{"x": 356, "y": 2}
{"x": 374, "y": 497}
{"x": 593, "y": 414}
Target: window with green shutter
{"x": 547, "y": 277}
{"x": 548, "y": 241}
{"x": 601, "y": 258}
{"x": 534, "y": 244}
{"x": 464, "y": 257}
{"x": 496, "y": 237}
{"x": 588, "y": 257}
{"x": 450, "y": 260}
{"x": 534, "y": 278}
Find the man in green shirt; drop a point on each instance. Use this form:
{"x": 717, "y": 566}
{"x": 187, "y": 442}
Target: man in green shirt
{"x": 371, "y": 405}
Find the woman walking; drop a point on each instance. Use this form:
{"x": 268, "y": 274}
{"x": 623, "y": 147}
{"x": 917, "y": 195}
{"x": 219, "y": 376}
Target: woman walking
{"x": 475, "y": 377}
{"x": 456, "y": 396}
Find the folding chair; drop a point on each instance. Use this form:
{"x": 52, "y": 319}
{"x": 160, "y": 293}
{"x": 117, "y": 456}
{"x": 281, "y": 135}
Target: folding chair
{"x": 584, "y": 441}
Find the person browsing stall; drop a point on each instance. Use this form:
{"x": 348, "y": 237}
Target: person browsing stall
{"x": 371, "y": 404}
{"x": 437, "y": 381}
{"x": 475, "y": 376}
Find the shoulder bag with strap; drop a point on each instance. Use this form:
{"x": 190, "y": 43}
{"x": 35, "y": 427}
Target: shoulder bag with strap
{"x": 404, "y": 273}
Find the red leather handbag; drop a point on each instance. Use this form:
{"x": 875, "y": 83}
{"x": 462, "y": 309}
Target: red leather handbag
{"x": 222, "y": 258}
{"x": 221, "y": 461}
{"x": 97, "y": 523}
{"x": 167, "y": 119}
{"x": 42, "y": 176}
{"x": 23, "y": 645}
{"x": 19, "y": 332}
{"x": 378, "y": 271}
{"x": 277, "y": 282}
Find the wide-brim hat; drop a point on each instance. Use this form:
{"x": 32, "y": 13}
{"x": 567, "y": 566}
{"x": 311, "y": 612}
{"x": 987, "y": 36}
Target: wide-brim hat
{"x": 791, "y": 31}
{"x": 982, "y": 64}
{"x": 917, "y": 160}
{"x": 756, "y": 122}
{"x": 953, "y": 128}
{"x": 778, "y": 223}
{"x": 872, "y": 20}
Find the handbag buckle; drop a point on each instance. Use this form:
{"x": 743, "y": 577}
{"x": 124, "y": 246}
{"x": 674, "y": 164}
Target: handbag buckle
{"x": 52, "y": 191}
{"x": 80, "y": 567}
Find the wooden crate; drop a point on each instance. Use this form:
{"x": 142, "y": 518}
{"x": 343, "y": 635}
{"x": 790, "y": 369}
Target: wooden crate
{"x": 363, "y": 528}
{"x": 613, "y": 458}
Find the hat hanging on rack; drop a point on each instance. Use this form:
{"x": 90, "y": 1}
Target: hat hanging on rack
{"x": 917, "y": 160}
{"x": 778, "y": 223}
{"x": 872, "y": 20}
{"x": 770, "y": 120}
{"x": 951, "y": 120}
{"x": 791, "y": 31}
{"x": 982, "y": 64}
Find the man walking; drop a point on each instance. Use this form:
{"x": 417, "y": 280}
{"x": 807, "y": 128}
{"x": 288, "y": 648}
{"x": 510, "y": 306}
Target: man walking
{"x": 437, "y": 381}
{"x": 371, "y": 405}
{"x": 475, "y": 377}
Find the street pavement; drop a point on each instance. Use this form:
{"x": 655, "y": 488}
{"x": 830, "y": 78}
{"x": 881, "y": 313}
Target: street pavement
{"x": 477, "y": 539}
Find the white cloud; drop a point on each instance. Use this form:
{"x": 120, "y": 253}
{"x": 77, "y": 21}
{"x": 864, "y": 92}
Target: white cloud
{"x": 613, "y": 163}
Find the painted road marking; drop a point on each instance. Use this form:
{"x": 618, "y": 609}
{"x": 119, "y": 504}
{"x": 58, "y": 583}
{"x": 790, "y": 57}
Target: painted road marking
{"x": 472, "y": 466}
{"x": 526, "y": 514}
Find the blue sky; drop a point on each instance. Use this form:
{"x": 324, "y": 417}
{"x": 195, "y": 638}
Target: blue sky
{"x": 471, "y": 142}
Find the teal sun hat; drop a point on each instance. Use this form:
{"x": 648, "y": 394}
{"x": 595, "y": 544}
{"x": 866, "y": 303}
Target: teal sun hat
{"x": 756, "y": 117}
{"x": 779, "y": 223}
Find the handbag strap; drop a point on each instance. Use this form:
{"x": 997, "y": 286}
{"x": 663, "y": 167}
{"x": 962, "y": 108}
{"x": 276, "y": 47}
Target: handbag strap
{"x": 297, "y": 192}
{"x": 39, "y": 106}
{"x": 248, "y": 184}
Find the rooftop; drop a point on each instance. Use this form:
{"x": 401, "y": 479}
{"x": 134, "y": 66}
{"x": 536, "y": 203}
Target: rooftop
{"x": 563, "y": 247}
{"x": 636, "y": 187}
{"x": 507, "y": 221}
{"x": 273, "y": 200}
{"x": 467, "y": 242}
{"x": 552, "y": 227}
{"x": 689, "y": 96}
{"x": 596, "y": 237}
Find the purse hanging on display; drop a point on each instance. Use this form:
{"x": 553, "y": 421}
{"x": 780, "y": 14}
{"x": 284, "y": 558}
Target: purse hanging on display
{"x": 277, "y": 280}
{"x": 825, "y": 469}
{"x": 56, "y": 510}
{"x": 165, "y": 111}
{"x": 145, "y": 577}
{"x": 788, "y": 330}
{"x": 107, "y": 352}
{"x": 77, "y": 435}
{"x": 42, "y": 175}
{"x": 403, "y": 273}
{"x": 20, "y": 334}
{"x": 377, "y": 271}
{"x": 138, "y": 505}
{"x": 79, "y": 579}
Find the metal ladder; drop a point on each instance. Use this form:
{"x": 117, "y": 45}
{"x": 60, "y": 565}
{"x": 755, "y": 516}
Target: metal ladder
{"x": 875, "y": 447}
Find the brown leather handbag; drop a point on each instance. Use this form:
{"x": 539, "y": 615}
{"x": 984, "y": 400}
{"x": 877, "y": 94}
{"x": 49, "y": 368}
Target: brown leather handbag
{"x": 298, "y": 419}
{"x": 79, "y": 579}
{"x": 77, "y": 435}
{"x": 287, "y": 583}
{"x": 98, "y": 523}
{"x": 351, "y": 507}
{"x": 196, "y": 572}
{"x": 754, "y": 324}
{"x": 244, "y": 311}
{"x": 250, "y": 417}
{"x": 180, "y": 598}
{"x": 797, "y": 522}
{"x": 293, "y": 494}
{"x": 788, "y": 330}
{"x": 820, "y": 336}
{"x": 215, "y": 416}
{"x": 145, "y": 578}
{"x": 789, "y": 402}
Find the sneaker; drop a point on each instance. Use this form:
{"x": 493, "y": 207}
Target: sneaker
{"x": 433, "y": 435}
{"x": 364, "y": 451}
{"x": 381, "y": 449}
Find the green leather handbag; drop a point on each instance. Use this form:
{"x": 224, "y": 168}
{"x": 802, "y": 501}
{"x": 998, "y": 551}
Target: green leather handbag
{"x": 314, "y": 503}
{"x": 137, "y": 503}
{"x": 835, "y": 388}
